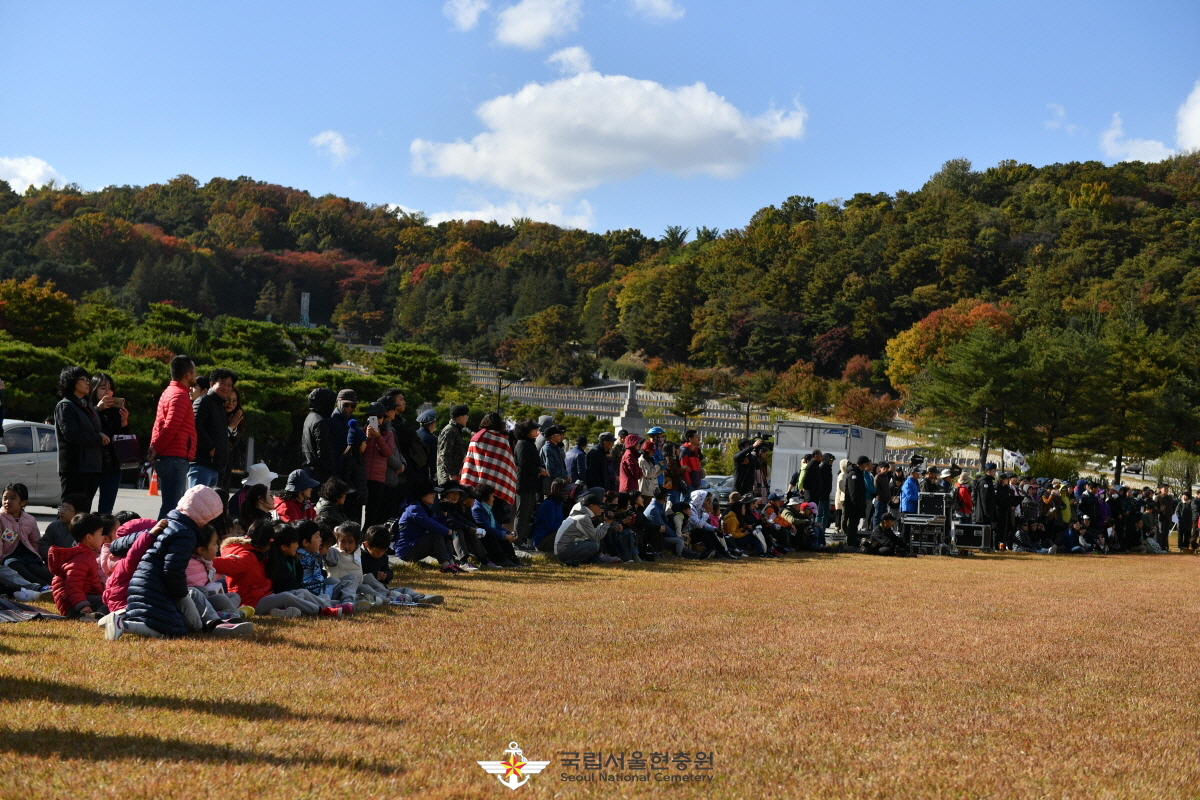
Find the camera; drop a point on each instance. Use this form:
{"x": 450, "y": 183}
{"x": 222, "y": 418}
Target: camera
{"x": 767, "y": 445}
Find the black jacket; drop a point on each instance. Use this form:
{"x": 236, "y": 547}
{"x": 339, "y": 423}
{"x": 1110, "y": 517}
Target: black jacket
{"x": 78, "y": 427}
{"x": 529, "y": 465}
{"x": 599, "y": 469}
{"x": 316, "y": 442}
{"x": 212, "y": 432}
{"x": 984, "y": 510}
{"x": 160, "y": 580}
{"x": 855, "y": 502}
{"x": 745, "y": 465}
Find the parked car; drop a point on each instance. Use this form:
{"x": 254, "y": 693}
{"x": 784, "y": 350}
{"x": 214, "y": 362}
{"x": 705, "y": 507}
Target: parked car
{"x": 721, "y": 487}
{"x": 29, "y": 455}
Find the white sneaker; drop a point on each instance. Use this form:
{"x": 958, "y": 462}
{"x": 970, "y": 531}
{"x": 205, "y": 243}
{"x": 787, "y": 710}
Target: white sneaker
{"x": 229, "y": 629}
{"x": 27, "y": 595}
{"x": 111, "y": 623}
{"x": 290, "y": 612}
{"x": 469, "y": 567}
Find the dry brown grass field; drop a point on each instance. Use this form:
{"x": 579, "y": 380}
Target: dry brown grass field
{"x": 825, "y": 676}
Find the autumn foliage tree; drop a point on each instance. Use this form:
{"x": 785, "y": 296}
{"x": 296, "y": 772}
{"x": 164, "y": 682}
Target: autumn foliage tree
{"x": 926, "y": 341}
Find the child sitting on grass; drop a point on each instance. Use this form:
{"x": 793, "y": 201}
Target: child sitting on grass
{"x": 160, "y": 602}
{"x": 345, "y": 570}
{"x": 201, "y": 575}
{"x": 21, "y": 562}
{"x": 58, "y": 533}
{"x": 377, "y": 570}
{"x": 286, "y": 574}
{"x": 103, "y": 559}
{"x": 77, "y": 584}
{"x": 311, "y": 555}
{"x": 243, "y": 562}
{"x": 133, "y": 540}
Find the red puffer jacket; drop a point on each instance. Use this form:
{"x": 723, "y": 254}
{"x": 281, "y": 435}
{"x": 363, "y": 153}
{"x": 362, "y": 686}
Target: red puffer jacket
{"x": 76, "y": 575}
{"x": 242, "y": 565}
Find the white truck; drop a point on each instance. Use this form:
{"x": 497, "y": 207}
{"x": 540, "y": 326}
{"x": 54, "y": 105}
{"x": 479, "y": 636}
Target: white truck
{"x": 794, "y": 439}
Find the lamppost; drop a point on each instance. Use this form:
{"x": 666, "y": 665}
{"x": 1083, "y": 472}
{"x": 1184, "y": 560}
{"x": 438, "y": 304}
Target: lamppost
{"x": 501, "y": 376}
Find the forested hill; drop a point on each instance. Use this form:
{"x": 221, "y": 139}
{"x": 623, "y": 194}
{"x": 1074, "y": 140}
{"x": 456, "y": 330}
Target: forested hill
{"x": 821, "y": 282}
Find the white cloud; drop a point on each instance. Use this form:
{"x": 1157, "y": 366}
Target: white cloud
{"x": 25, "y": 171}
{"x": 1116, "y": 146}
{"x": 658, "y": 9}
{"x": 554, "y": 140}
{"x": 1187, "y": 130}
{"x": 530, "y": 23}
{"x": 464, "y": 13}
{"x": 1058, "y": 120}
{"x": 579, "y": 216}
{"x": 571, "y": 60}
{"x": 332, "y": 144}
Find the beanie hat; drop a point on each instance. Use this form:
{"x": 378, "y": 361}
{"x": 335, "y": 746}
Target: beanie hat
{"x": 459, "y": 411}
{"x": 201, "y": 505}
{"x": 347, "y": 394}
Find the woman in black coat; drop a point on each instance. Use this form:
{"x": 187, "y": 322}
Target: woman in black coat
{"x": 80, "y": 439}
{"x": 114, "y": 420}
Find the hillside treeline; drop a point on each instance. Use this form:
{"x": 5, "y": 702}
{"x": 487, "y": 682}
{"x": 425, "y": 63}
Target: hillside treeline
{"x": 812, "y": 291}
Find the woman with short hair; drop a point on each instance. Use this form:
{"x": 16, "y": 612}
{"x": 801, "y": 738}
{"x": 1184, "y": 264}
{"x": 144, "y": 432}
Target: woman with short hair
{"x": 80, "y": 439}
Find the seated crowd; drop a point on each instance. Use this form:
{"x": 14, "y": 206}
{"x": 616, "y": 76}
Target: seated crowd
{"x": 377, "y": 491}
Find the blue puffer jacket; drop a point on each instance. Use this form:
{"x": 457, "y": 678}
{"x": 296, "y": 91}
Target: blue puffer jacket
{"x": 160, "y": 581}
{"x": 415, "y": 523}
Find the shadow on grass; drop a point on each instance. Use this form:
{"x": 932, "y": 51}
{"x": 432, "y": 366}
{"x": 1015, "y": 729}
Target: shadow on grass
{"x": 72, "y": 744}
{"x": 22, "y": 689}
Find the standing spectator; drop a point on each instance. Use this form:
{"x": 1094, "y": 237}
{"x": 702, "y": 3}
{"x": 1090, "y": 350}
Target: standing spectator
{"x": 689, "y": 460}
{"x": 235, "y": 416}
{"x": 576, "y": 461}
{"x": 414, "y": 453}
{"x": 545, "y": 423}
{"x": 114, "y": 419}
{"x": 630, "y": 471}
{"x": 316, "y": 442}
{"x": 810, "y": 479}
{"x": 983, "y": 498}
{"x": 451, "y": 449}
{"x": 529, "y": 478}
{"x": 489, "y": 459}
{"x": 854, "y": 507}
{"x": 910, "y": 493}
{"x": 346, "y": 447}
{"x": 1166, "y": 508}
{"x": 599, "y": 473}
{"x": 1186, "y": 510}
{"x": 825, "y": 473}
{"x": 426, "y": 423}
{"x": 552, "y": 455}
{"x": 173, "y": 438}
{"x": 380, "y": 450}
{"x": 80, "y": 440}
{"x": 883, "y": 492}
{"x": 212, "y": 430}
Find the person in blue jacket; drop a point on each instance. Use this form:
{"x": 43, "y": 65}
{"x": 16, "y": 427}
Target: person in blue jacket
{"x": 419, "y": 535}
{"x": 910, "y": 493}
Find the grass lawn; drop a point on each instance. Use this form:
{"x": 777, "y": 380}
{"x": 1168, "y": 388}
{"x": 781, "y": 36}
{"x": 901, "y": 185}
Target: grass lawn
{"x": 826, "y": 676}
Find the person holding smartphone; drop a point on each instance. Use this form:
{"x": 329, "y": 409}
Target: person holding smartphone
{"x": 114, "y": 420}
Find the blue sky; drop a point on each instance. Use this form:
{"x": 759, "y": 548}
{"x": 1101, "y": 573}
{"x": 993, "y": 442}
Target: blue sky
{"x": 601, "y": 114}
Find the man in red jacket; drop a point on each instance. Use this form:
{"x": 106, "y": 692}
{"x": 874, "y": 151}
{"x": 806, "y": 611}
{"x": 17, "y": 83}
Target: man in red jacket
{"x": 173, "y": 439}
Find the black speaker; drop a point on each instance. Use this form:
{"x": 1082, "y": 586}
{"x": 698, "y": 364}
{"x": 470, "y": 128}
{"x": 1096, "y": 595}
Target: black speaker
{"x": 972, "y": 537}
{"x": 936, "y": 504}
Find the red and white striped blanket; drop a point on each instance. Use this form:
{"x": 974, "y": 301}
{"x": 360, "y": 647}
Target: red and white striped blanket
{"x": 490, "y": 460}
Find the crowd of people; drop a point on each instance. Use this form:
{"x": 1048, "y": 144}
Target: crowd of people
{"x": 1022, "y": 513}
{"x": 374, "y": 488}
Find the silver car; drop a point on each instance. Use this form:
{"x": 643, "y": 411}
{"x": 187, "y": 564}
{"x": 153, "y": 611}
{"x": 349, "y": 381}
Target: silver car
{"x": 29, "y": 455}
